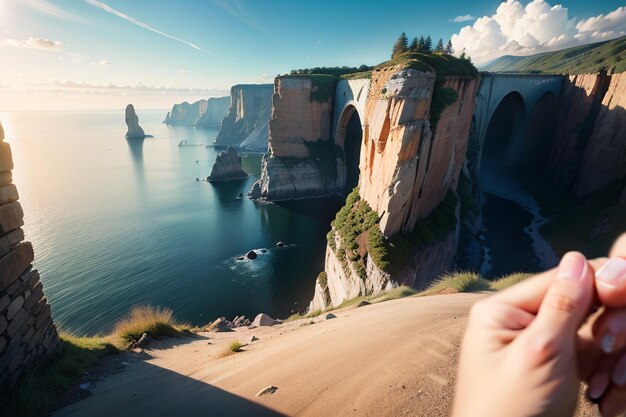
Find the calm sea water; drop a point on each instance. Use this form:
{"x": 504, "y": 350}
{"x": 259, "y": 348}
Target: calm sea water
{"x": 116, "y": 223}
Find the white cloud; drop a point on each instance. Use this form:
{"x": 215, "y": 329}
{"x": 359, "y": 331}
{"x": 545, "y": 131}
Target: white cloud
{"x": 538, "y": 27}
{"x": 105, "y": 63}
{"x": 110, "y": 88}
{"x": 463, "y": 18}
{"x": 141, "y": 24}
{"x": 34, "y": 43}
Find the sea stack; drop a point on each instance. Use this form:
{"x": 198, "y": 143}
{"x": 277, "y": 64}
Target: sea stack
{"x": 132, "y": 121}
{"x": 227, "y": 166}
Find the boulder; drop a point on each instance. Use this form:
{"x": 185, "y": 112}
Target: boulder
{"x": 330, "y": 316}
{"x": 220, "y": 325}
{"x": 363, "y": 303}
{"x": 251, "y": 255}
{"x": 263, "y": 320}
{"x": 227, "y": 166}
{"x": 132, "y": 121}
{"x": 280, "y": 245}
{"x": 250, "y": 339}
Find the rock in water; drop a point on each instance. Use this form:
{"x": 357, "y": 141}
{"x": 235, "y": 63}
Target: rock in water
{"x": 132, "y": 121}
{"x": 251, "y": 255}
{"x": 227, "y": 166}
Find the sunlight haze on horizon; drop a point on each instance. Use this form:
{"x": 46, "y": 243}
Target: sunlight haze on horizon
{"x": 91, "y": 54}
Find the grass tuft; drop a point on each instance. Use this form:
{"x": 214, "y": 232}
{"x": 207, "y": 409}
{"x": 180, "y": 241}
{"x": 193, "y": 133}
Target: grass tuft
{"x": 235, "y": 346}
{"x": 155, "y": 321}
{"x": 508, "y": 281}
{"x": 458, "y": 282}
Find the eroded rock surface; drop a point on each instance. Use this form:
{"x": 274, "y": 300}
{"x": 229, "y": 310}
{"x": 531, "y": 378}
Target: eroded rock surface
{"x": 132, "y": 121}
{"x": 227, "y": 166}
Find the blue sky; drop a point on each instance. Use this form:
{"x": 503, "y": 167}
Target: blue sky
{"x": 100, "y": 54}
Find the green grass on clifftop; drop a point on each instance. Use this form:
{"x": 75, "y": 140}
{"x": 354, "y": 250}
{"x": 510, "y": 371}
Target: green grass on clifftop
{"x": 443, "y": 64}
{"x": 585, "y": 59}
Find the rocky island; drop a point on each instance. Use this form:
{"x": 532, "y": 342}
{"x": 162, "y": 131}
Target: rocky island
{"x": 201, "y": 114}
{"x": 227, "y": 167}
{"x": 132, "y": 121}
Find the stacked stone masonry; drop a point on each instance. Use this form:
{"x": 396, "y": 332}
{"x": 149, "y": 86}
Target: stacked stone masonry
{"x": 28, "y": 336}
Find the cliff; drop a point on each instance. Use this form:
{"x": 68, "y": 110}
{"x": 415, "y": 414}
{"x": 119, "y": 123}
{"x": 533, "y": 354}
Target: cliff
{"x": 186, "y": 114}
{"x": 132, "y": 122}
{"x": 227, "y": 166}
{"x": 216, "y": 109}
{"x": 28, "y": 336}
{"x": 246, "y": 123}
{"x": 407, "y": 168}
{"x": 302, "y": 160}
{"x": 202, "y": 113}
{"x": 589, "y": 150}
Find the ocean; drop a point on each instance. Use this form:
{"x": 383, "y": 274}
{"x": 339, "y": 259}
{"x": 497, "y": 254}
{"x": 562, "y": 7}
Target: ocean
{"x": 116, "y": 223}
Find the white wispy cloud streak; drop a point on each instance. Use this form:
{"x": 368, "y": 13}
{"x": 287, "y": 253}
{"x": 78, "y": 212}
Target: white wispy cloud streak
{"x": 235, "y": 8}
{"x": 463, "y": 18}
{"x": 45, "y": 7}
{"x": 143, "y": 25}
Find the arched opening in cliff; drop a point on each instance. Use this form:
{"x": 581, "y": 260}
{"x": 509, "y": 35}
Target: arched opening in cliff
{"x": 349, "y": 138}
{"x": 540, "y": 133}
{"x": 505, "y": 130}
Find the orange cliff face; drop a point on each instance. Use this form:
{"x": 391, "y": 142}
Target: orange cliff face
{"x": 406, "y": 170}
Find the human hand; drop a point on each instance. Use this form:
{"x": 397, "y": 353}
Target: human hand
{"x": 521, "y": 346}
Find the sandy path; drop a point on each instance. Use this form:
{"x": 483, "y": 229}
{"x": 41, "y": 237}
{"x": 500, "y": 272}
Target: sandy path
{"x": 396, "y": 358}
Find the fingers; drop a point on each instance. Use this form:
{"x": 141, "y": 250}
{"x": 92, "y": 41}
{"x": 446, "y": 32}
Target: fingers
{"x": 609, "y": 330}
{"x": 619, "y": 247}
{"x": 562, "y": 311}
{"x": 611, "y": 282}
{"x": 613, "y": 402}
{"x": 528, "y": 294}
{"x": 600, "y": 380}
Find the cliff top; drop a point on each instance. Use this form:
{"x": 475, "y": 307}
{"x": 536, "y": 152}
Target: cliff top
{"x": 441, "y": 63}
{"x": 585, "y": 59}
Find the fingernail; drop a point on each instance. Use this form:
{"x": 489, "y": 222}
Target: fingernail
{"x": 612, "y": 272}
{"x": 572, "y": 266}
{"x": 608, "y": 343}
{"x": 598, "y": 385}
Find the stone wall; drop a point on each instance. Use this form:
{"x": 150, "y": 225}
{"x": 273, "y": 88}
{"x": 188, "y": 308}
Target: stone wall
{"x": 28, "y": 335}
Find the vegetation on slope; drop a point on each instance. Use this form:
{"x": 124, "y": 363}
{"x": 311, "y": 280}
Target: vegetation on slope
{"x": 585, "y": 59}
{"x": 336, "y": 71}
{"x": 40, "y": 392}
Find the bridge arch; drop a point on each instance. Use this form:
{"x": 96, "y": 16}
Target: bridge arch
{"x": 349, "y": 136}
{"x": 540, "y": 131}
{"x": 505, "y": 130}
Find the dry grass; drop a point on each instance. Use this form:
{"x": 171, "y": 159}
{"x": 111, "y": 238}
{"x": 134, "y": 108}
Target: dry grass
{"x": 458, "y": 282}
{"x": 155, "y": 321}
{"x": 235, "y": 346}
{"x": 508, "y": 281}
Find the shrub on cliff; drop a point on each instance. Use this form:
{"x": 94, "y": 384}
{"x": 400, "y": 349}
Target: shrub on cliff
{"x": 155, "y": 321}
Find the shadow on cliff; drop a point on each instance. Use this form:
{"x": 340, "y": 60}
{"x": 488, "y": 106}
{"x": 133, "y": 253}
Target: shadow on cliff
{"x": 145, "y": 388}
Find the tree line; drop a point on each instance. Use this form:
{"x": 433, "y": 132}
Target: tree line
{"x": 423, "y": 44}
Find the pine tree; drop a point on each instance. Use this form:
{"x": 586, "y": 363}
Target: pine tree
{"x": 439, "y": 48}
{"x": 428, "y": 44}
{"x": 413, "y": 45}
{"x": 400, "y": 46}
{"x": 420, "y": 44}
{"x": 449, "y": 50}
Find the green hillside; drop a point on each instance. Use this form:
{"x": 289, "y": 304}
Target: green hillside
{"x": 583, "y": 59}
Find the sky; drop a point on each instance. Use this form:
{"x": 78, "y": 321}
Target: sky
{"x": 104, "y": 54}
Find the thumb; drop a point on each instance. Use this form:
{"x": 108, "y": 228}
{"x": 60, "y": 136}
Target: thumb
{"x": 563, "y": 309}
